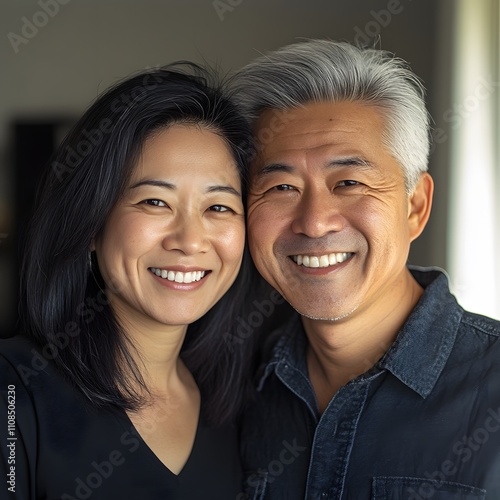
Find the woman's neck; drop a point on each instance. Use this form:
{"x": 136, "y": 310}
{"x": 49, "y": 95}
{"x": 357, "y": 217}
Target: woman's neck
{"x": 156, "y": 352}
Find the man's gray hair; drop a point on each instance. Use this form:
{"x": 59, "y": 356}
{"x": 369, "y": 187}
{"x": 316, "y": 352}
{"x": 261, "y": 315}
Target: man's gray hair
{"x": 325, "y": 70}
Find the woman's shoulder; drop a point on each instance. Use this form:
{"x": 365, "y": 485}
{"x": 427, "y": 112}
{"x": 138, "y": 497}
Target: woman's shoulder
{"x": 24, "y": 364}
{"x": 40, "y": 387}
{"x": 16, "y": 348}
{"x": 23, "y": 356}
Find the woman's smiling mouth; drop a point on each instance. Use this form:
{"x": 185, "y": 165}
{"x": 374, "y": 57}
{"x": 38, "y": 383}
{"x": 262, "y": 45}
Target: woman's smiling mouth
{"x": 179, "y": 276}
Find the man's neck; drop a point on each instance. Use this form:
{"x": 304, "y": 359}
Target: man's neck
{"x": 339, "y": 351}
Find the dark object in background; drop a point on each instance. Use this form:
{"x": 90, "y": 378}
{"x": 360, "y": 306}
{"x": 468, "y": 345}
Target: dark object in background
{"x": 33, "y": 143}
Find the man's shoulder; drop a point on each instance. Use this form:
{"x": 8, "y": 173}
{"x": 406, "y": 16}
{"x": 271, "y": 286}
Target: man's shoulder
{"x": 476, "y": 349}
{"x": 441, "y": 308}
{"x": 481, "y": 324}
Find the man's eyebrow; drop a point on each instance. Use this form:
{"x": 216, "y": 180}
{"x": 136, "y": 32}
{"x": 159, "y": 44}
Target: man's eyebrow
{"x": 351, "y": 161}
{"x": 355, "y": 161}
{"x": 154, "y": 182}
{"x": 274, "y": 167}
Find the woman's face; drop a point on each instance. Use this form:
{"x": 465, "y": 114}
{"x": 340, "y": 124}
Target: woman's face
{"x": 173, "y": 244}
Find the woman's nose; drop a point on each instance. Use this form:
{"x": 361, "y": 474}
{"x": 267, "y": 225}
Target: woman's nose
{"x": 188, "y": 235}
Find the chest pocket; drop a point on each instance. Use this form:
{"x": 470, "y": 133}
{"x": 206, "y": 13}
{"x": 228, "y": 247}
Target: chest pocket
{"x": 414, "y": 488}
{"x": 255, "y": 486}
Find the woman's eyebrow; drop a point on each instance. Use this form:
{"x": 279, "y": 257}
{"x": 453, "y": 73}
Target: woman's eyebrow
{"x": 223, "y": 189}
{"x": 154, "y": 182}
{"x": 173, "y": 187}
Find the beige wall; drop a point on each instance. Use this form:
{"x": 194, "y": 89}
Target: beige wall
{"x": 88, "y": 44}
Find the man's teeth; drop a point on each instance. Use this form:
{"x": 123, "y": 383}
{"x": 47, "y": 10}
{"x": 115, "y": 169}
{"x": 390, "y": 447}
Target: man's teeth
{"x": 321, "y": 261}
{"x": 177, "y": 276}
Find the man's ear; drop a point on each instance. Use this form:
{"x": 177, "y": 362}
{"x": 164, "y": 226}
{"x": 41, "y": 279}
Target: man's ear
{"x": 419, "y": 205}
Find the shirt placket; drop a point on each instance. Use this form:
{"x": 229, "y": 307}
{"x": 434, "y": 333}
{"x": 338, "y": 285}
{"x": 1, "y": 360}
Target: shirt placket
{"x": 333, "y": 441}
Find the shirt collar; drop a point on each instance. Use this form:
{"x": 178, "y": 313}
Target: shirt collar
{"x": 290, "y": 348}
{"x": 428, "y": 335}
{"x": 426, "y": 339}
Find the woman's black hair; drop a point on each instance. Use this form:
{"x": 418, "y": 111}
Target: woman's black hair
{"x": 63, "y": 307}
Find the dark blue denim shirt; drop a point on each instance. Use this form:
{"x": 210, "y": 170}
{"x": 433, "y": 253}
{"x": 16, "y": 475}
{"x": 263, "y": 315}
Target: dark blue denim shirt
{"x": 423, "y": 422}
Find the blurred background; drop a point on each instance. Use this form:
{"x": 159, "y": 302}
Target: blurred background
{"x": 57, "y": 56}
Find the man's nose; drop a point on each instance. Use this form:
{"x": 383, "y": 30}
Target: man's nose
{"x": 318, "y": 213}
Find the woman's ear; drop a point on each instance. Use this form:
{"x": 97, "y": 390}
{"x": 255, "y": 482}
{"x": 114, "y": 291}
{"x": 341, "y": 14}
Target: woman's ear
{"x": 419, "y": 205}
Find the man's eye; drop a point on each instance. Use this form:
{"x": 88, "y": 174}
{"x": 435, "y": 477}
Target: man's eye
{"x": 154, "y": 203}
{"x": 283, "y": 187}
{"x": 220, "y": 208}
{"x": 348, "y": 183}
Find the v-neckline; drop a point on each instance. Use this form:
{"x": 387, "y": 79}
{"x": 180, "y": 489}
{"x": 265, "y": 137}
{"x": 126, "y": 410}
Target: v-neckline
{"x": 153, "y": 455}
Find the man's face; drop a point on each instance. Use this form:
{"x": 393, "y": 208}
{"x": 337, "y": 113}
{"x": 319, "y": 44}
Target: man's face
{"x": 329, "y": 220}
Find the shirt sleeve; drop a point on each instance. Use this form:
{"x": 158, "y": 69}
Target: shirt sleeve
{"x": 18, "y": 434}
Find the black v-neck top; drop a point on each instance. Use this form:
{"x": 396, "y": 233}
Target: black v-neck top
{"x": 54, "y": 445}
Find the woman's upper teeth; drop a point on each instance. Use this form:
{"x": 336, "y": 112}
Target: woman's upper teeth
{"x": 178, "y": 276}
{"x": 321, "y": 260}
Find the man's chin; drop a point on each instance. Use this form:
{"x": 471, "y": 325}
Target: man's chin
{"x": 318, "y": 315}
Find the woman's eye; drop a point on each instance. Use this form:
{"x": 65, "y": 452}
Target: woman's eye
{"x": 154, "y": 203}
{"x": 283, "y": 187}
{"x": 219, "y": 208}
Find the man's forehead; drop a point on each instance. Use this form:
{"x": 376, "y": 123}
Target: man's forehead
{"x": 324, "y": 111}
{"x": 345, "y": 128}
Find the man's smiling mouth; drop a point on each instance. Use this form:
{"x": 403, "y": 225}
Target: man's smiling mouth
{"x": 321, "y": 260}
